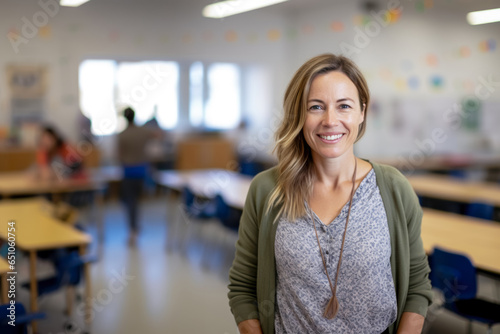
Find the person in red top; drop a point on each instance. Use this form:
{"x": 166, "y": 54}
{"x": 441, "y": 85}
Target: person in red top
{"x": 55, "y": 158}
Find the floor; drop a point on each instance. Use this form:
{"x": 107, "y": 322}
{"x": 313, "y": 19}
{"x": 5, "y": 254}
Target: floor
{"x": 180, "y": 289}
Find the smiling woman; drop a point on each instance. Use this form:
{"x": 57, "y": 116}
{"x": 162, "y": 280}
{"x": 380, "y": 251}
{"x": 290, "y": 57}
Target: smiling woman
{"x": 328, "y": 242}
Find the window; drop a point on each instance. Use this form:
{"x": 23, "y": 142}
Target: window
{"x": 149, "y": 87}
{"x": 97, "y": 82}
{"x": 222, "y": 108}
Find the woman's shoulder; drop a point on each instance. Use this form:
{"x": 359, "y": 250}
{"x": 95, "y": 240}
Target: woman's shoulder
{"x": 265, "y": 181}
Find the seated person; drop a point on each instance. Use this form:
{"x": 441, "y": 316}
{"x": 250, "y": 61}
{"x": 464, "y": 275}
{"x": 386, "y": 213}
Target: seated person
{"x": 55, "y": 158}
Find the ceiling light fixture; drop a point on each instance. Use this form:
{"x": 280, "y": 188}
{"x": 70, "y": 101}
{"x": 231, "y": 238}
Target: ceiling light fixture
{"x": 484, "y": 16}
{"x": 231, "y": 7}
{"x": 72, "y": 3}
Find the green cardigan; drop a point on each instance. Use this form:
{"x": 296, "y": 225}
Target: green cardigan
{"x": 252, "y": 288}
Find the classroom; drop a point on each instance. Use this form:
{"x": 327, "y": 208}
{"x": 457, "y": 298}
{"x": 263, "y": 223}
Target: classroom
{"x": 250, "y": 166}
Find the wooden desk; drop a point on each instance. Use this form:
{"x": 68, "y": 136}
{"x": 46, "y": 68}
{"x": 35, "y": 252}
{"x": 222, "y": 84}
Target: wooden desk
{"x": 37, "y": 230}
{"x": 4, "y": 268}
{"x": 22, "y": 183}
{"x": 232, "y": 186}
{"x": 478, "y": 239}
{"x": 447, "y": 188}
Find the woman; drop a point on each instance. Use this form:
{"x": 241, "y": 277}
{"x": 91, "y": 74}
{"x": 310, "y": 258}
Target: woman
{"x": 56, "y": 158}
{"x": 328, "y": 242}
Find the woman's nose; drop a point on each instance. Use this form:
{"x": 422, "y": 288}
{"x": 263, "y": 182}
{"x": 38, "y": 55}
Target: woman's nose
{"x": 330, "y": 118}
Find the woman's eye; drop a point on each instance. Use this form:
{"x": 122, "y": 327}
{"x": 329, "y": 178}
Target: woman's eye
{"x": 316, "y": 107}
{"x": 345, "y": 106}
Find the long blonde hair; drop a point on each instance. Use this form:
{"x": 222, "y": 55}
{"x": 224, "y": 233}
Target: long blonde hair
{"x": 295, "y": 167}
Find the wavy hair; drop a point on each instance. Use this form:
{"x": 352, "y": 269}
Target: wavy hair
{"x": 295, "y": 167}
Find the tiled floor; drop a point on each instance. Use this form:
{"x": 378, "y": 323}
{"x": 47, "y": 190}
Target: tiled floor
{"x": 149, "y": 289}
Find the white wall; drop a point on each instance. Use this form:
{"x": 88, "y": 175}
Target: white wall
{"x": 175, "y": 30}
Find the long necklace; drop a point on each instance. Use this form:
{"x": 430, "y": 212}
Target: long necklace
{"x": 332, "y": 307}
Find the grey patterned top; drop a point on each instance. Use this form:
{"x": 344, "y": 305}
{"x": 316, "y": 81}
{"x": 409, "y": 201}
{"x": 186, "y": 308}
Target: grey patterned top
{"x": 365, "y": 289}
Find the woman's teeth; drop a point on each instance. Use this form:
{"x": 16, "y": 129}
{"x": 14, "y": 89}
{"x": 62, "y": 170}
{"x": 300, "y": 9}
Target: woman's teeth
{"x": 334, "y": 137}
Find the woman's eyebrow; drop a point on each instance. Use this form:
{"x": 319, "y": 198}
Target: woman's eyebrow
{"x": 315, "y": 100}
{"x": 345, "y": 99}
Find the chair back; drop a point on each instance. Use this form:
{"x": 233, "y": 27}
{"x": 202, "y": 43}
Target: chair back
{"x": 69, "y": 268}
{"x": 197, "y": 207}
{"x": 453, "y": 274}
{"x": 480, "y": 210}
{"x": 19, "y": 328}
{"x": 228, "y": 216}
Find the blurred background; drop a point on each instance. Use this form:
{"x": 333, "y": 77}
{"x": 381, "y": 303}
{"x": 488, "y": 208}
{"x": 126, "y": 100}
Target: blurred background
{"x": 209, "y": 92}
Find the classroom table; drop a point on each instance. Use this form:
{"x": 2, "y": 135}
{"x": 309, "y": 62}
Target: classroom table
{"x": 207, "y": 183}
{"x": 36, "y": 230}
{"x": 4, "y": 269}
{"x": 447, "y": 188}
{"x": 22, "y": 183}
{"x": 476, "y": 238}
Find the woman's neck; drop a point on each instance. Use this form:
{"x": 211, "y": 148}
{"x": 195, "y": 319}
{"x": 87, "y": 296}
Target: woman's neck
{"x": 335, "y": 171}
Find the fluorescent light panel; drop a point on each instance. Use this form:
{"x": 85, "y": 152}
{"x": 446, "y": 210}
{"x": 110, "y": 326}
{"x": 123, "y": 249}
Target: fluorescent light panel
{"x": 72, "y": 3}
{"x": 484, "y": 16}
{"x": 231, "y": 7}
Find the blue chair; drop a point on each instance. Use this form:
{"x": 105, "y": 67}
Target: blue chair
{"x": 23, "y": 319}
{"x": 455, "y": 276}
{"x": 197, "y": 207}
{"x": 480, "y": 210}
{"x": 228, "y": 216}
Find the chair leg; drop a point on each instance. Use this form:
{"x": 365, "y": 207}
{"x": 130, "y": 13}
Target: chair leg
{"x": 70, "y": 298}
{"x": 469, "y": 330}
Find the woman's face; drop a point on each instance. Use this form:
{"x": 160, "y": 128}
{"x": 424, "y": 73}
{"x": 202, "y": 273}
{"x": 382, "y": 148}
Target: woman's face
{"x": 333, "y": 115}
{"x": 47, "y": 142}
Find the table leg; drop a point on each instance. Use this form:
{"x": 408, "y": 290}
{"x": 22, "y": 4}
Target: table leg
{"x": 5, "y": 289}
{"x": 88, "y": 288}
{"x": 33, "y": 289}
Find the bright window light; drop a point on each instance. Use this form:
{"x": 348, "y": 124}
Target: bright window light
{"x": 72, "y": 3}
{"x": 231, "y": 7}
{"x": 147, "y": 87}
{"x": 196, "y": 100}
{"x": 222, "y": 110}
{"x": 484, "y": 16}
{"x": 97, "y": 84}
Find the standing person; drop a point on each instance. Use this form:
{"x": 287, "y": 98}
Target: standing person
{"x": 131, "y": 152}
{"x": 328, "y": 242}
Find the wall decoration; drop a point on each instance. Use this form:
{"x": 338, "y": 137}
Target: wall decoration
{"x": 273, "y": 35}
{"x": 231, "y": 36}
{"x": 488, "y": 45}
{"x": 337, "y": 26}
{"x": 45, "y": 31}
{"x": 431, "y": 60}
{"x": 27, "y": 86}
{"x": 400, "y": 84}
{"x": 464, "y": 52}
{"x": 436, "y": 82}
{"x": 422, "y": 5}
{"x": 413, "y": 82}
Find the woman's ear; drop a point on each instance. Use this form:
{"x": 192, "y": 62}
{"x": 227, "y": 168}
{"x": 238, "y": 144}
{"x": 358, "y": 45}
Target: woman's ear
{"x": 363, "y": 111}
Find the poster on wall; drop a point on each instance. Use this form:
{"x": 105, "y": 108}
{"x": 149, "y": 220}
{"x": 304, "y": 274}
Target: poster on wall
{"x": 27, "y": 88}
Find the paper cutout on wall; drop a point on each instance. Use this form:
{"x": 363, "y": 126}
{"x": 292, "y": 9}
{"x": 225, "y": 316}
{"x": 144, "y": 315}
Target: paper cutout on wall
{"x": 422, "y": 5}
{"x": 413, "y": 82}
{"x": 400, "y": 84}
{"x": 231, "y": 36}
{"x": 337, "y": 26}
{"x": 45, "y": 32}
{"x": 361, "y": 20}
{"x": 13, "y": 34}
{"x": 436, "y": 81}
{"x": 488, "y": 45}
{"x": 273, "y": 35}
{"x": 464, "y": 52}
{"x": 431, "y": 60}
{"x": 393, "y": 15}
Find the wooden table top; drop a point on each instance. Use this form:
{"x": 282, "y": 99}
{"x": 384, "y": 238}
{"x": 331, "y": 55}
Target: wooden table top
{"x": 448, "y": 188}
{"x": 4, "y": 266}
{"x": 23, "y": 183}
{"x": 478, "y": 239}
{"x": 35, "y": 229}
{"x": 232, "y": 186}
